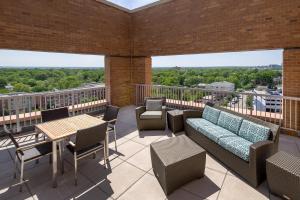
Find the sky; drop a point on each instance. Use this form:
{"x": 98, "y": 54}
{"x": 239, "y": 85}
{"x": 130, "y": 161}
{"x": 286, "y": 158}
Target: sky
{"x": 247, "y": 58}
{"x": 14, "y": 58}
{"x": 132, "y": 4}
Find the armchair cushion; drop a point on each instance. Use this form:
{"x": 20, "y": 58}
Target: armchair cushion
{"x": 236, "y": 145}
{"x": 254, "y": 132}
{"x": 230, "y": 122}
{"x": 151, "y": 115}
{"x": 211, "y": 114}
{"x": 154, "y": 105}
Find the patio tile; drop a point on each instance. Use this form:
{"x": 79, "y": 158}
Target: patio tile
{"x": 128, "y": 149}
{"x": 120, "y": 140}
{"x": 94, "y": 169}
{"x": 93, "y": 192}
{"x": 142, "y": 159}
{"x": 212, "y": 163}
{"x": 128, "y": 132}
{"x": 148, "y": 137}
{"x": 120, "y": 180}
{"x": 125, "y": 127}
{"x": 181, "y": 194}
{"x": 39, "y": 174}
{"x": 207, "y": 187}
{"x": 10, "y": 190}
{"x": 288, "y": 146}
{"x": 147, "y": 188}
{"x": 113, "y": 162}
{"x": 151, "y": 172}
{"x": 167, "y": 136}
{"x": 274, "y": 197}
{"x": 235, "y": 188}
{"x": 5, "y": 156}
{"x": 7, "y": 169}
{"x": 65, "y": 188}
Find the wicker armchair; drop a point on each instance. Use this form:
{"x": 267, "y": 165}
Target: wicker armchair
{"x": 151, "y": 119}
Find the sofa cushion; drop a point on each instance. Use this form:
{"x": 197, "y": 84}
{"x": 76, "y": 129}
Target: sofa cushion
{"x": 236, "y": 145}
{"x": 211, "y": 114}
{"x": 154, "y": 105}
{"x": 230, "y": 122}
{"x": 210, "y": 130}
{"x": 194, "y": 122}
{"x": 151, "y": 115}
{"x": 254, "y": 132}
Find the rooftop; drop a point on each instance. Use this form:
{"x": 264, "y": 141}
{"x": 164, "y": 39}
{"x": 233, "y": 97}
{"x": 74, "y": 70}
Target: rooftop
{"x": 129, "y": 175}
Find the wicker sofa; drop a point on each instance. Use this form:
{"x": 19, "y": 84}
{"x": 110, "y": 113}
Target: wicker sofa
{"x": 226, "y": 140}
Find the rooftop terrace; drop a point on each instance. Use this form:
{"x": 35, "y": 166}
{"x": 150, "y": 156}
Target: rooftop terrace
{"x": 129, "y": 175}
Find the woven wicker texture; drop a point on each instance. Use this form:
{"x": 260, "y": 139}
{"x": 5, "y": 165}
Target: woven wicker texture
{"x": 286, "y": 162}
{"x": 176, "y": 149}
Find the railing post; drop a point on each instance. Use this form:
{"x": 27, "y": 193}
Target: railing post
{"x": 73, "y": 103}
{"x": 17, "y": 103}
{"x": 107, "y": 94}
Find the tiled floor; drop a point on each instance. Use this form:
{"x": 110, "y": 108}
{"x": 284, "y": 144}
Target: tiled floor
{"x": 129, "y": 175}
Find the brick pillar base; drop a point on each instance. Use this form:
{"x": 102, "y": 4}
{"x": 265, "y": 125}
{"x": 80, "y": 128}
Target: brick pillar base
{"x": 291, "y": 88}
{"x": 122, "y": 74}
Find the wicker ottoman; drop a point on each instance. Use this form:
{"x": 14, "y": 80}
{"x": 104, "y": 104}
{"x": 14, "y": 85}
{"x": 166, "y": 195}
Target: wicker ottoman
{"x": 283, "y": 175}
{"x": 175, "y": 120}
{"x": 177, "y": 161}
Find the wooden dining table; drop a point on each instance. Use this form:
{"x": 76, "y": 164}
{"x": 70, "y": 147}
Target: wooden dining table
{"x": 58, "y": 130}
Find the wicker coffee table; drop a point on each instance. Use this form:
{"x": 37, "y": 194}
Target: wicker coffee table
{"x": 175, "y": 120}
{"x": 283, "y": 175}
{"x": 177, "y": 161}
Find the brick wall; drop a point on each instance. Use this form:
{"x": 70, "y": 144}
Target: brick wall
{"x": 122, "y": 74}
{"x": 291, "y": 88}
{"x": 201, "y": 26}
{"x": 78, "y": 26}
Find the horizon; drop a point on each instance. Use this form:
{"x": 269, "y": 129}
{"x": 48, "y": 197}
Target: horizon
{"x": 37, "y": 67}
{"x": 35, "y": 59}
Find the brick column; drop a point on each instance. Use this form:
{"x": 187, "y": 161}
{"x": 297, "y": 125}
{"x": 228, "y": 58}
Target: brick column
{"x": 142, "y": 74}
{"x": 121, "y": 75}
{"x": 291, "y": 88}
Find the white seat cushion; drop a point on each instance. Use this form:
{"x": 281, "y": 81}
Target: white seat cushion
{"x": 151, "y": 115}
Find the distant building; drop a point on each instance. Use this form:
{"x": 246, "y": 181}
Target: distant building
{"x": 9, "y": 87}
{"x": 90, "y": 85}
{"x": 221, "y": 86}
{"x": 267, "y": 101}
{"x": 202, "y": 85}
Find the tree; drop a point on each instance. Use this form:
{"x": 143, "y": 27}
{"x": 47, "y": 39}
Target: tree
{"x": 20, "y": 87}
{"x": 3, "y": 82}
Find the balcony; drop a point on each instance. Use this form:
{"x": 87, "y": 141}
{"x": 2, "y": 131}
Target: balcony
{"x": 128, "y": 39}
{"x": 129, "y": 175}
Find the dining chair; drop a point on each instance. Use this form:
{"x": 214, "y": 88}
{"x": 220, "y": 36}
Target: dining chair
{"x": 28, "y": 153}
{"x": 55, "y": 114}
{"x": 88, "y": 141}
{"x": 110, "y": 116}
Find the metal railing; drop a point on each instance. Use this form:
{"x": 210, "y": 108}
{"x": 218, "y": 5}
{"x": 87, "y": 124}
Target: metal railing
{"x": 23, "y": 110}
{"x": 276, "y": 109}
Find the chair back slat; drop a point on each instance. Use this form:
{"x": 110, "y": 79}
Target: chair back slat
{"x": 111, "y": 113}
{"x": 13, "y": 140}
{"x": 54, "y": 114}
{"x": 89, "y": 137}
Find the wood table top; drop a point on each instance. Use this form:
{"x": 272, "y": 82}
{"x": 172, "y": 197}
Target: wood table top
{"x": 58, "y": 129}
